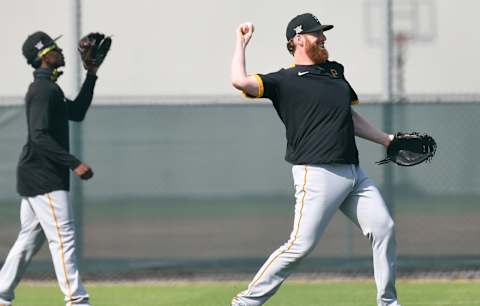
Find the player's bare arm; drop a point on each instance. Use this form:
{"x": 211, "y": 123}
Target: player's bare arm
{"x": 366, "y": 130}
{"x": 238, "y": 73}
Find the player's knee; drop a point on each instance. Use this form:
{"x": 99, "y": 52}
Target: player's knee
{"x": 390, "y": 227}
{"x": 300, "y": 249}
{"x": 386, "y": 231}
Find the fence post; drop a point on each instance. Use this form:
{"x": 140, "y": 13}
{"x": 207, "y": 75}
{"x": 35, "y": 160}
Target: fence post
{"x": 76, "y": 188}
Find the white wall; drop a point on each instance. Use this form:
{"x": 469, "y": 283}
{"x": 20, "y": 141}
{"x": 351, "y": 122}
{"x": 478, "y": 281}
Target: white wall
{"x": 184, "y": 47}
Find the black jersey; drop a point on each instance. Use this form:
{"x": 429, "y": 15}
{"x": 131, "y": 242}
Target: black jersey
{"x": 314, "y": 102}
{"x": 45, "y": 159}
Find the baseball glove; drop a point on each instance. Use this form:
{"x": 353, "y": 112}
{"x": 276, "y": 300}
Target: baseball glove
{"x": 410, "y": 149}
{"x": 93, "y": 49}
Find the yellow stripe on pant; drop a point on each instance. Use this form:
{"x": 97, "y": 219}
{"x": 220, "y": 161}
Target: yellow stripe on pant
{"x": 294, "y": 238}
{"x": 62, "y": 249}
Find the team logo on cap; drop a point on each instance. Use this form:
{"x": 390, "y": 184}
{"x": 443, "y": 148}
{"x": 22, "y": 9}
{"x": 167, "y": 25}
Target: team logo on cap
{"x": 39, "y": 46}
{"x": 298, "y": 29}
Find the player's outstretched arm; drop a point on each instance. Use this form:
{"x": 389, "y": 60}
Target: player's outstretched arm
{"x": 238, "y": 73}
{"x": 365, "y": 130}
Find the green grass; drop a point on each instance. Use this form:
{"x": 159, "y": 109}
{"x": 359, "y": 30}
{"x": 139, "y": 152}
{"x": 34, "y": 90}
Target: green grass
{"x": 293, "y": 293}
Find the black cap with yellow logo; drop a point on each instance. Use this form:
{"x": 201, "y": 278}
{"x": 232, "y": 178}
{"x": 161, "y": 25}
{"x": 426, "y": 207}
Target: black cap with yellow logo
{"x": 305, "y": 23}
{"x": 37, "y": 45}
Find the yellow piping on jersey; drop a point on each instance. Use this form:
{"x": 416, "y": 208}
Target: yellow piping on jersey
{"x": 260, "y": 88}
{"x": 355, "y": 102}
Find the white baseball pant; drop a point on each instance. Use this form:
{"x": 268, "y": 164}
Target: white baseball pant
{"x": 51, "y": 216}
{"x": 320, "y": 191}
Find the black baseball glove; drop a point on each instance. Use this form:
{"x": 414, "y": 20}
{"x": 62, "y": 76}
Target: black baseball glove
{"x": 410, "y": 149}
{"x": 93, "y": 49}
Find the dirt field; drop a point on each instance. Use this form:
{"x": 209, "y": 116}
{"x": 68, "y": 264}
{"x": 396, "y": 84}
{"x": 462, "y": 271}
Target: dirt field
{"x": 230, "y": 230}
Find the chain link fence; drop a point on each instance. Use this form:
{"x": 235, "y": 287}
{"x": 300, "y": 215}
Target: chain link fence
{"x": 188, "y": 189}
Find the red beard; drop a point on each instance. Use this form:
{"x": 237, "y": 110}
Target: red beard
{"x": 317, "y": 54}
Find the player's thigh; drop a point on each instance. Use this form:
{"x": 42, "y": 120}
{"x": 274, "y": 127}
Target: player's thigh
{"x": 320, "y": 190}
{"x": 366, "y": 208}
{"x": 31, "y": 235}
{"x": 28, "y": 218}
{"x": 54, "y": 213}
{"x": 30, "y": 224}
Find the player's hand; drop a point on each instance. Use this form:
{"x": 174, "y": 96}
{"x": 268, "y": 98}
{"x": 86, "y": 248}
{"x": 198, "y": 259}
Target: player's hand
{"x": 245, "y": 32}
{"x": 83, "y": 171}
{"x": 93, "y": 49}
{"x": 388, "y": 139}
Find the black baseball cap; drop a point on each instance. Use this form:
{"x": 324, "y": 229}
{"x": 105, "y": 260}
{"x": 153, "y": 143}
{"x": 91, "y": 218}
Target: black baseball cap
{"x": 305, "y": 23}
{"x": 38, "y": 44}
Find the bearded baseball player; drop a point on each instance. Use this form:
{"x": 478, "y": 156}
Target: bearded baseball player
{"x": 313, "y": 99}
{"x": 43, "y": 173}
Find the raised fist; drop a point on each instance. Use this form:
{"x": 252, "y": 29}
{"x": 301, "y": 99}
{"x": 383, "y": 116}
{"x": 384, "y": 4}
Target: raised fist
{"x": 247, "y": 27}
{"x": 245, "y": 31}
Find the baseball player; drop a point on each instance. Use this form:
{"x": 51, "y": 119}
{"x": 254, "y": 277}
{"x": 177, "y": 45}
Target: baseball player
{"x": 43, "y": 173}
{"x": 313, "y": 99}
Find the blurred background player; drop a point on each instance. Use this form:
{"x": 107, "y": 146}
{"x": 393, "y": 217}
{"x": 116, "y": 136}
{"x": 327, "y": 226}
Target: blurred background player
{"x": 43, "y": 173}
{"x": 313, "y": 100}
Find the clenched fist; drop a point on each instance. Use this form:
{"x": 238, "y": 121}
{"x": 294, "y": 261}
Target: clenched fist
{"x": 83, "y": 171}
{"x": 244, "y": 32}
